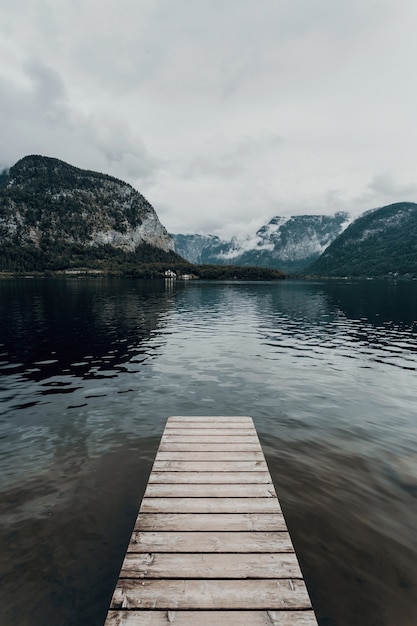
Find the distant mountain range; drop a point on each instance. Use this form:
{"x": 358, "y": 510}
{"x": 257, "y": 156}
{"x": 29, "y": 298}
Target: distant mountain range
{"x": 287, "y": 243}
{"x": 380, "y": 242}
{"x": 54, "y": 216}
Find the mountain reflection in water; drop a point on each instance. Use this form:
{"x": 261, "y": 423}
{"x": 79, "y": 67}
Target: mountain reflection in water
{"x": 91, "y": 369}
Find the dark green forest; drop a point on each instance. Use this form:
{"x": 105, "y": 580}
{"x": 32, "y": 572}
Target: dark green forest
{"x": 379, "y": 243}
{"x": 58, "y": 256}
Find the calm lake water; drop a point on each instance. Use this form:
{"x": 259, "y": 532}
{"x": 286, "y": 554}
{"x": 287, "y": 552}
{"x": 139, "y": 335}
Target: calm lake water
{"x": 91, "y": 369}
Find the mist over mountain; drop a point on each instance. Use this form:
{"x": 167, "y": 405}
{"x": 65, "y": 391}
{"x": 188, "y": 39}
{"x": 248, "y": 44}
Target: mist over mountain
{"x": 289, "y": 244}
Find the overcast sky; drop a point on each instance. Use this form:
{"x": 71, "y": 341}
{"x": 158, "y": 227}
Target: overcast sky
{"x": 223, "y": 113}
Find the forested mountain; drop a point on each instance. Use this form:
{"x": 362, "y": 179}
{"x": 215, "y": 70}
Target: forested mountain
{"x": 290, "y": 244}
{"x": 55, "y": 216}
{"x": 380, "y": 242}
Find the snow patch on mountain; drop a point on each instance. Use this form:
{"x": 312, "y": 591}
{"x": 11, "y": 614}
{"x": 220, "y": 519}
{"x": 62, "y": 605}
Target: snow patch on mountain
{"x": 284, "y": 242}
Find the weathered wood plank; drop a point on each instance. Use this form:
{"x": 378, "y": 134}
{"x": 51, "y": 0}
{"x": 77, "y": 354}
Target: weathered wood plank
{"x": 203, "y": 565}
{"x": 209, "y": 439}
{"x": 211, "y": 477}
{"x": 211, "y": 618}
{"x": 211, "y": 594}
{"x": 208, "y": 447}
{"x": 149, "y": 541}
{"x": 195, "y": 430}
{"x": 210, "y": 491}
{"x": 211, "y": 521}
{"x": 210, "y": 419}
{"x": 210, "y": 425}
{"x": 210, "y": 466}
{"x": 210, "y": 505}
{"x": 230, "y": 455}
{"x": 203, "y": 432}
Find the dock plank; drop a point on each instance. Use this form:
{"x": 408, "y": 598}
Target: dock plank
{"x": 211, "y": 594}
{"x": 204, "y": 455}
{"x": 210, "y": 618}
{"x": 210, "y": 546}
{"x": 210, "y": 565}
{"x": 222, "y": 425}
{"x": 210, "y": 505}
{"x": 188, "y": 541}
{"x": 208, "y": 447}
{"x": 211, "y": 521}
{"x": 209, "y": 420}
{"x": 213, "y": 432}
{"x": 209, "y": 438}
{"x": 212, "y": 478}
{"x": 218, "y": 490}
{"x": 210, "y": 466}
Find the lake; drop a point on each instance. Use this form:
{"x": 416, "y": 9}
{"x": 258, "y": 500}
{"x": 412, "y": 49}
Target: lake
{"x": 91, "y": 368}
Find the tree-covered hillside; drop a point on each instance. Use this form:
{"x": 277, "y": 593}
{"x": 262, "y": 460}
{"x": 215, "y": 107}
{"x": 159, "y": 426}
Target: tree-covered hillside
{"x": 380, "y": 242}
{"x": 55, "y": 216}
{"x": 61, "y": 256}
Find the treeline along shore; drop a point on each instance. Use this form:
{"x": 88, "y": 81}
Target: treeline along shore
{"x": 155, "y": 271}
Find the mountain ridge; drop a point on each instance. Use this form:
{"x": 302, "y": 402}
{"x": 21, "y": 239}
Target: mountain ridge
{"x": 380, "y": 242}
{"x": 55, "y": 215}
{"x": 286, "y": 243}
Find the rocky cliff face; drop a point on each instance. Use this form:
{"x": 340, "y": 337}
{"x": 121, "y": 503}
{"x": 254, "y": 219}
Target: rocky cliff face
{"x": 44, "y": 199}
{"x": 54, "y": 215}
{"x": 290, "y": 244}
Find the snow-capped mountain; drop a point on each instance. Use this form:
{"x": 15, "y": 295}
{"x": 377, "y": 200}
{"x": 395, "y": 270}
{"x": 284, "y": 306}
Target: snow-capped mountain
{"x": 287, "y": 243}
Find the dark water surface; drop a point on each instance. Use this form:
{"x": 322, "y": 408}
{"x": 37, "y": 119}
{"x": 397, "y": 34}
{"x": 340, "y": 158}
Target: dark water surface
{"x": 91, "y": 369}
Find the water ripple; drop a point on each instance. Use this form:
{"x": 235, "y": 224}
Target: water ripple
{"x": 91, "y": 369}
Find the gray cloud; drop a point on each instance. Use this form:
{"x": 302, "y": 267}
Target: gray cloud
{"x": 223, "y": 113}
{"x": 40, "y": 118}
{"x": 225, "y": 161}
{"x": 47, "y": 96}
{"x": 385, "y": 185}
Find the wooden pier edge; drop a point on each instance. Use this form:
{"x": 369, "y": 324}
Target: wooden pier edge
{"x": 210, "y": 546}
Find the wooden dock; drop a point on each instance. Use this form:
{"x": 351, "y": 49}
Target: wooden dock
{"x": 210, "y": 546}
